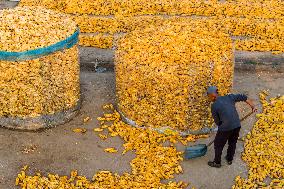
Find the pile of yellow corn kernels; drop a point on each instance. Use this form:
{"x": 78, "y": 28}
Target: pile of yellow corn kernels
{"x": 44, "y": 85}
{"x": 162, "y": 74}
{"x": 153, "y": 163}
{"x": 250, "y": 20}
{"x": 100, "y": 40}
{"x": 251, "y": 8}
{"x": 264, "y": 148}
{"x": 22, "y": 28}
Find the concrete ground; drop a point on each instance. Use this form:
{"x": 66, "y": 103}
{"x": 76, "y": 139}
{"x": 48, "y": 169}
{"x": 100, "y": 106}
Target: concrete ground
{"x": 59, "y": 150}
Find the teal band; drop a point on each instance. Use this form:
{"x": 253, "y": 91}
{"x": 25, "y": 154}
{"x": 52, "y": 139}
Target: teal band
{"x": 36, "y": 53}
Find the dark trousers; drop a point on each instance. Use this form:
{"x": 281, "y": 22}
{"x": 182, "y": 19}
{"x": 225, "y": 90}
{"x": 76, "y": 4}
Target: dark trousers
{"x": 221, "y": 139}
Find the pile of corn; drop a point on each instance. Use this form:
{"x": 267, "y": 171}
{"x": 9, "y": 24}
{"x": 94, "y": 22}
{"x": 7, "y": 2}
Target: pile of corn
{"x": 254, "y": 34}
{"x": 26, "y": 28}
{"x": 44, "y": 85}
{"x": 251, "y": 20}
{"x": 162, "y": 74}
{"x": 154, "y": 162}
{"x": 264, "y": 148}
{"x": 252, "y": 9}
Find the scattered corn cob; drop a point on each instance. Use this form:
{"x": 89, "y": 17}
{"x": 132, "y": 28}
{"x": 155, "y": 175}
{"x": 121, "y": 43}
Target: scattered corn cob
{"x": 86, "y": 119}
{"x": 103, "y": 136}
{"x": 110, "y": 150}
{"x": 98, "y": 129}
{"x": 79, "y": 130}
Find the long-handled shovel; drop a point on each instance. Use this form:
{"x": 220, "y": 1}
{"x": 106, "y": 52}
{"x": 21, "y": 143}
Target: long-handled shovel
{"x": 200, "y": 150}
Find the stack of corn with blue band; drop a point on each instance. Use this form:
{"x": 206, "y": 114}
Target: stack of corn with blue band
{"x": 39, "y": 68}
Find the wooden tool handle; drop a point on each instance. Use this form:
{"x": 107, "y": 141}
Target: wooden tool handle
{"x": 210, "y": 143}
{"x": 246, "y": 116}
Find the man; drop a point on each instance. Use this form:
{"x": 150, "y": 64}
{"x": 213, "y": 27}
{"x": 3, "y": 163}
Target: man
{"x": 226, "y": 117}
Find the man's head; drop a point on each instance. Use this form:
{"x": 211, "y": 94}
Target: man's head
{"x": 212, "y": 93}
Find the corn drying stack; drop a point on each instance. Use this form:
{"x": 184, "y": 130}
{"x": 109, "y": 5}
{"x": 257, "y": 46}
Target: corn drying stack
{"x": 162, "y": 74}
{"x": 39, "y": 68}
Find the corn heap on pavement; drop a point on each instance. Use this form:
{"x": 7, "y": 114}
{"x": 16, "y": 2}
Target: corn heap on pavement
{"x": 101, "y": 20}
{"x": 162, "y": 74}
{"x": 154, "y": 162}
{"x": 47, "y": 85}
{"x": 264, "y": 148}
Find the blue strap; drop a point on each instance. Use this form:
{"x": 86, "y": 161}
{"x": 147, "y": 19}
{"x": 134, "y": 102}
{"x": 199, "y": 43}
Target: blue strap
{"x": 36, "y": 53}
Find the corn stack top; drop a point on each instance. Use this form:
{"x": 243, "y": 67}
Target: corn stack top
{"x": 26, "y": 28}
{"x": 195, "y": 38}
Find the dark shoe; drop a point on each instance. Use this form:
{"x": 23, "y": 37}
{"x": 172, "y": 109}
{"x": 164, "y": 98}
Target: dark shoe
{"x": 213, "y": 164}
{"x": 228, "y": 162}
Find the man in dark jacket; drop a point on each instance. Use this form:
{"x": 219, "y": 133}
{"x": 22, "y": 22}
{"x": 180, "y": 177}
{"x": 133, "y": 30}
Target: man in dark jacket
{"x": 226, "y": 117}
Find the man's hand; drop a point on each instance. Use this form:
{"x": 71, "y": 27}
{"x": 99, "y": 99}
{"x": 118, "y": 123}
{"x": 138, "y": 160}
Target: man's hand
{"x": 254, "y": 109}
{"x": 251, "y": 104}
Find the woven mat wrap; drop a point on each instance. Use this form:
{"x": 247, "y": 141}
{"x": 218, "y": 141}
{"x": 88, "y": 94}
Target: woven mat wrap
{"x": 40, "y": 122}
{"x": 36, "y": 53}
{"x": 168, "y": 129}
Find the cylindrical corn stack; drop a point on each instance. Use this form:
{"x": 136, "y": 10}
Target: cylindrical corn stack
{"x": 39, "y": 85}
{"x": 162, "y": 74}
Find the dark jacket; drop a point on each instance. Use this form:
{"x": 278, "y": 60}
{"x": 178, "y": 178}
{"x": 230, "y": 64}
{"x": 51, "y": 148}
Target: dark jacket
{"x": 225, "y": 113}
